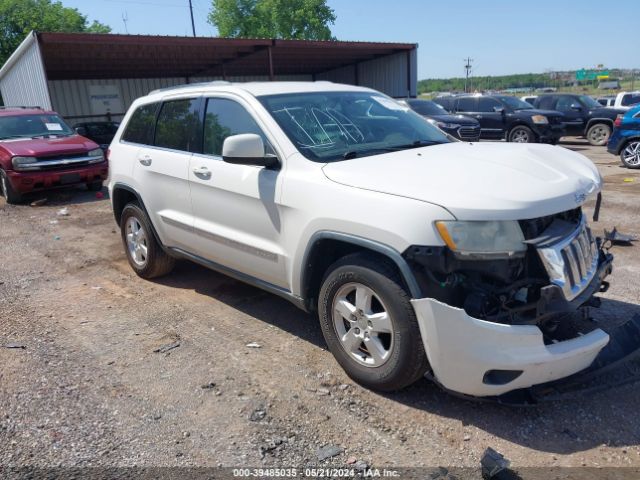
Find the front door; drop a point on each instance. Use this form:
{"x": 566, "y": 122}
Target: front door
{"x": 237, "y": 220}
{"x": 574, "y": 115}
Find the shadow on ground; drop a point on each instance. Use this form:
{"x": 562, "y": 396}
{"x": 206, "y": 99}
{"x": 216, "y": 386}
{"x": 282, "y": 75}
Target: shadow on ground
{"x": 596, "y": 419}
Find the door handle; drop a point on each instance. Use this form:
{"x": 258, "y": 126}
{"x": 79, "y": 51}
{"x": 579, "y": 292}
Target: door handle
{"x": 202, "y": 172}
{"x": 145, "y": 160}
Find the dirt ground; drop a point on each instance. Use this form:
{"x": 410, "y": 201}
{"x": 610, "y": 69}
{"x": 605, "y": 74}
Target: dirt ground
{"x": 90, "y": 389}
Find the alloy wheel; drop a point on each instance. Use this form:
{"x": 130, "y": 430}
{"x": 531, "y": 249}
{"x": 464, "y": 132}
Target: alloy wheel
{"x": 631, "y": 154}
{"x": 520, "y": 136}
{"x": 137, "y": 241}
{"x": 363, "y": 324}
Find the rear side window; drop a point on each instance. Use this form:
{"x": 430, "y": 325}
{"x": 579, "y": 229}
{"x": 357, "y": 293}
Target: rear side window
{"x": 546, "y": 103}
{"x": 467, "y": 104}
{"x": 178, "y": 125}
{"x": 225, "y": 118}
{"x": 140, "y": 126}
{"x": 630, "y": 99}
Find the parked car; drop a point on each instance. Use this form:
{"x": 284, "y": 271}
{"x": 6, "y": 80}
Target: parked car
{"x": 505, "y": 117}
{"x": 39, "y": 151}
{"x": 625, "y": 139}
{"x": 100, "y": 132}
{"x": 458, "y": 126}
{"x": 584, "y": 116}
{"x": 627, "y": 100}
{"x": 418, "y": 253}
{"x": 608, "y": 101}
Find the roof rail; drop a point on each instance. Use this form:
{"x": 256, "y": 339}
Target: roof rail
{"x": 24, "y": 107}
{"x": 185, "y": 85}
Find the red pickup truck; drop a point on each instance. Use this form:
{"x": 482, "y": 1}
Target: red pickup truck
{"x": 39, "y": 151}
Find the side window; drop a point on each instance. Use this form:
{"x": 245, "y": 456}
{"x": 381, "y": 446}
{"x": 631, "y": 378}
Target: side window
{"x": 565, "y": 104}
{"x": 224, "y": 118}
{"x": 178, "y": 125}
{"x": 630, "y": 99}
{"x": 467, "y": 104}
{"x": 546, "y": 103}
{"x": 445, "y": 102}
{"x": 486, "y": 104}
{"x": 140, "y": 126}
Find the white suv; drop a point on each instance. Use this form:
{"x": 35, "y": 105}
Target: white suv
{"x": 420, "y": 255}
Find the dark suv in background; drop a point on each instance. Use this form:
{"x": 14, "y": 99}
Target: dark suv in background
{"x": 584, "y": 117}
{"x": 458, "y": 126}
{"x": 502, "y": 116}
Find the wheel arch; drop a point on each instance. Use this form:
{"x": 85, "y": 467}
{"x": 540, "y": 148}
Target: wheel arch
{"x": 123, "y": 194}
{"x": 326, "y": 247}
{"x": 593, "y": 121}
{"x": 626, "y": 142}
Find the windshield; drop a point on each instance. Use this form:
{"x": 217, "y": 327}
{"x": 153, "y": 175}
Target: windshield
{"x": 426, "y": 107}
{"x": 515, "y": 103}
{"x": 29, "y": 126}
{"x": 329, "y": 126}
{"x": 589, "y": 102}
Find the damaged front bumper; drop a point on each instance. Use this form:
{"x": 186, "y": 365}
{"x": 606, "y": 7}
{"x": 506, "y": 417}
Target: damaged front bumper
{"x": 481, "y": 358}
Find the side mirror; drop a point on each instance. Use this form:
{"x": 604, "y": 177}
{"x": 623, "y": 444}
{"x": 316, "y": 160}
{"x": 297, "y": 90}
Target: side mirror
{"x": 498, "y": 109}
{"x": 81, "y": 131}
{"x": 247, "y": 149}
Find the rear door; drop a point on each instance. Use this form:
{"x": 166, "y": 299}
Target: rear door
{"x": 237, "y": 218}
{"x": 162, "y": 170}
{"x": 492, "y": 122}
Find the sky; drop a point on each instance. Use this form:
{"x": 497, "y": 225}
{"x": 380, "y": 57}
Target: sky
{"x": 501, "y": 36}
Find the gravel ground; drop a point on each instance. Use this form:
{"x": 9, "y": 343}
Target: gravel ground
{"x": 94, "y": 386}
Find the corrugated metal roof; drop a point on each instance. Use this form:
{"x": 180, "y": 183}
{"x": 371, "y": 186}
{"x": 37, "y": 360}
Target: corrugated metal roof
{"x": 85, "y": 55}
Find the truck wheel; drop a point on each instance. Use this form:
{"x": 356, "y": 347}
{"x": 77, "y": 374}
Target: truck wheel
{"x": 521, "y": 134}
{"x": 145, "y": 255}
{"x": 598, "y": 134}
{"x": 10, "y": 195}
{"x": 370, "y": 325}
{"x": 630, "y": 154}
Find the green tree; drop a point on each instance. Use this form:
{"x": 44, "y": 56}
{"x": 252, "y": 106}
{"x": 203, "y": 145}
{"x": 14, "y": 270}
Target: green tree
{"x": 288, "y": 19}
{"x": 19, "y": 17}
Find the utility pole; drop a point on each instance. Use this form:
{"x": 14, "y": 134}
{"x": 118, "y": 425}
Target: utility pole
{"x": 467, "y": 68}
{"x": 125, "y": 19}
{"x": 193, "y": 24}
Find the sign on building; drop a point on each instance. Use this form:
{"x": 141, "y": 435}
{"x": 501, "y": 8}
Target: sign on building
{"x": 105, "y": 99}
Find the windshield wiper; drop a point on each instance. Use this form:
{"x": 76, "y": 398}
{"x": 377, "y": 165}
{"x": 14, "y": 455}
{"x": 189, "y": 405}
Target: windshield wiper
{"x": 416, "y": 144}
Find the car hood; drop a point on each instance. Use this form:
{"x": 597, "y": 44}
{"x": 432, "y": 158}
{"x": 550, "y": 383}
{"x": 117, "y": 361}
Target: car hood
{"x": 47, "y": 147}
{"x": 459, "y": 119}
{"x": 479, "y": 181}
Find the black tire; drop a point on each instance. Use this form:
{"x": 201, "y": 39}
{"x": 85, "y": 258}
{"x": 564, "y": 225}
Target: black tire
{"x": 156, "y": 261}
{"x": 521, "y": 134}
{"x": 629, "y": 160}
{"x": 94, "y": 186}
{"x": 407, "y": 361}
{"x": 598, "y": 134}
{"x": 10, "y": 195}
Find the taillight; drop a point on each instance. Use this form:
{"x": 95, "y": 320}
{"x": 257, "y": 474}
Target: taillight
{"x": 618, "y": 121}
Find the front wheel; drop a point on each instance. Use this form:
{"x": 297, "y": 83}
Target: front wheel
{"x": 630, "y": 154}
{"x": 10, "y": 195}
{"x": 598, "y": 134}
{"x": 369, "y": 324}
{"x": 521, "y": 134}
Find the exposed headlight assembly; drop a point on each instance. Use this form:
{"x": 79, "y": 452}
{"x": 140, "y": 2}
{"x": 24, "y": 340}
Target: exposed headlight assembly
{"x": 24, "y": 163}
{"x": 483, "y": 238}
{"x": 447, "y": 125}
{"x": 539, "y": 119}
{"x": 98, "y": 155}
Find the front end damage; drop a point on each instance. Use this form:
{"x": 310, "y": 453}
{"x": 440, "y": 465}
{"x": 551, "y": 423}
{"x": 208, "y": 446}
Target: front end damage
{"x": 498, "y": 324}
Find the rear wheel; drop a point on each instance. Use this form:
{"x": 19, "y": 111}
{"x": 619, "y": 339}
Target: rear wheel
{"x": 630, "y": 154}
{"x": 598, "y": 134}
{"x": 8, "y": 192}
{"x": 521, "y": 134}
{"x": 145, "y": 255}
{"x": 370, "y": 325}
